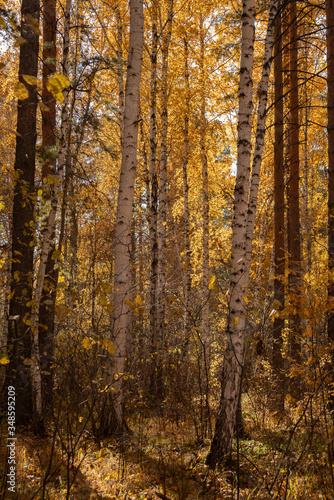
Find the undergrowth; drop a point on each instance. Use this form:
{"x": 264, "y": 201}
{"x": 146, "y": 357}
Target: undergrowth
{"x": 286, "y": 457}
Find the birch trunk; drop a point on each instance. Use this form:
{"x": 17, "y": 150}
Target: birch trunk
{"x": 112, "y": 419}
{"x": 330, "y": 128}
{"x": 205, "y": 240}
{"x": 49, "y": 145}
{"x": 260, "y": 132}
{"x": 162, "y": 221}
{"x": 234, "y": 353}
{"x": 294, "y": 252}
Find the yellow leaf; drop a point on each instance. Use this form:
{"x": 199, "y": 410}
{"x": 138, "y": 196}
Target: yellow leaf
{"x": 19, "y": 41}
{"x": 277, "y": 305}
{"x": 139, "y": 301}
{"x": 55, "y": 255}
{"x": 33, "y": 23}
{"x": 20, "y": 91}
{"x": 55, "y": 85}
{"x": 31, "y": 80}
{"x": 211, "y": 282}
{"x": 235, "y": 321}
{"x": 4, "y": 360}
{"x": 103, "y": 301}
{"x": 40, "y": 192}
{"x": 43, "y": 106}
{"x": 109, "y": 345}
{"x": 129, "y": 303}
{"x": 85, "y": 343}
{"x": 110, "y": 308}
{"x": 98, "y": 212}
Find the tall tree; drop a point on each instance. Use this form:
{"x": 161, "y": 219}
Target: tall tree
{"x": 49, "y": 154}
{"x": 19, "y": 335}
{"x": 186, "y": 216}
{"x": 234, "y": 353}
{"x": 153, "y": 216}
{"x": 162, "y": 221}
{"x": 330, "y": 128}
{"x": 113, "y": 419}
{"x": 294, "y": 252}
{"x": 279, "y": 211}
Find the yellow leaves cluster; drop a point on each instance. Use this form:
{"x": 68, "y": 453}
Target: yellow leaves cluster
{"x": 137, "y": 307}
{"x": 56, "y": 83}
{"x": 88, "y": 342}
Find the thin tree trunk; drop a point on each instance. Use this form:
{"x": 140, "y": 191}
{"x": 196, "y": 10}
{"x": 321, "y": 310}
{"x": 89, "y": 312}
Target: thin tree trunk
{"x": 50, "y": 152}
{"x": 162, "y": 222}
{"x": 205, "y": 237}
{"x": 279, "y": 231}
{"x": 294, "y": 253}
{"x": 112, "y": 421}
{"x": 186, "y": 218}
{"x": 19, "y": 343}
{"x": 330, "y": 128}
{"x": 155, "y": 348}
{"x": 234, "y": 354}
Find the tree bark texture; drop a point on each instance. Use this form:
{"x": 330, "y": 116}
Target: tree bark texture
{"x": 162, "y": 215}
{"x": 113, "y": 421}
{"x": 294, "y": 252}
{"x": 186, "y": 218}
{"x": 155, "y": 342}
{"x": 330, "y": 128}
{"x": 49, "y": 146}
{"x": 234, "y": 353}
{"x": 19, "y": 342}
{"x": 279, "y": 222}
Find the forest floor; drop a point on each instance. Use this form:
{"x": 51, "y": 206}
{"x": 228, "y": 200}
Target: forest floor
{"x": 162, "y": 459}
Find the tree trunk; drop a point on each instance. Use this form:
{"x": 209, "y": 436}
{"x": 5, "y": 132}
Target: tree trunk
{"x": 330, "y": 128}
{"x": 162, "y": 221}
{"x": 279, "y": 224}
{"x": 155, "y": 347}
{"x": 234, "y": 354}
{"x": 294, "y": 253}
{"x": 19, "y": 342}
{"x": 186, "y": 218}
{"x": 49, "y": 144}
{"x": 112, "y": 421}
{"x": 205, "y": 340}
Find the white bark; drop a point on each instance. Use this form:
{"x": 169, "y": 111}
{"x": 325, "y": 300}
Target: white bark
{"x": 122, "y": 270}
{"x": 233, "y": 360}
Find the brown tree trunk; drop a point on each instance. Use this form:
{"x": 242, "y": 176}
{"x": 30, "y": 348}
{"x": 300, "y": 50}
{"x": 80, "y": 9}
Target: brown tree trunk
{"x": 279, "y": 224}
{"x": 155, "y": 348}
{"x": 19, "y": 342}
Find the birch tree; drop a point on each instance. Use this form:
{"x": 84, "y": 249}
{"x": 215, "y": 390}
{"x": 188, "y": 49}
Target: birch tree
{"x": 112, "y": 421}
{"x": 330, "y": 128}
{"x": 245, "y": 202}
